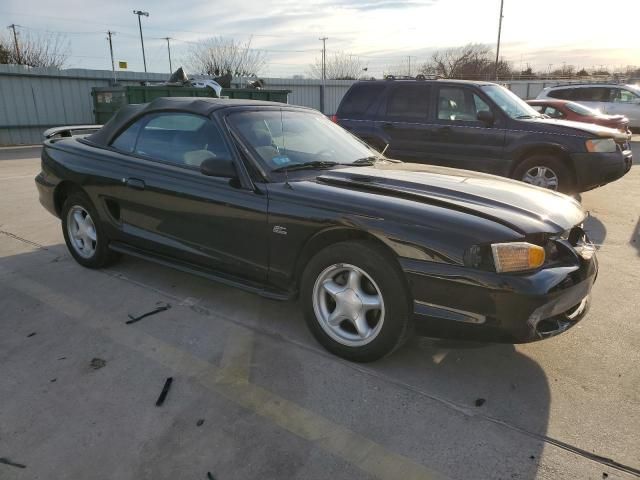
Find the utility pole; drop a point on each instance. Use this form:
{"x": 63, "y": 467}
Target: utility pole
{"x": 324, "y": 71}
{"x": 113, "y": 65}
{"x": 169, "y": 51}
{"x": 15, "y": 41}
{"x": 409, "y": 62}
{"x": 140, "y": 13}
{"x": 324, "y": 57}
{"x": 499, "y": 33}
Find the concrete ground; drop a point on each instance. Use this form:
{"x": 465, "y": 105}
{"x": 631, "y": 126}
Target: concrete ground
{"x": 253, "y": 395}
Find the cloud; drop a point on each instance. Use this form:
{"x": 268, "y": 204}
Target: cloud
{"x": 367, "y": 5}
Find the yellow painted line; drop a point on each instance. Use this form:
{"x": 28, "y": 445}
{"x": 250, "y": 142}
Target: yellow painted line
{"x": 235, "y": 365}
{"x": 231, "y": 382}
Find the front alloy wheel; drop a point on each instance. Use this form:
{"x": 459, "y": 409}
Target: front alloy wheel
{"x": 541, "y": 176}
{"x": 348, "y": 305}
{"x": 356, "y": 300}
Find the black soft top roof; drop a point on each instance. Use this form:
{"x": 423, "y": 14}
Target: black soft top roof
{"x": 199, "y": 106}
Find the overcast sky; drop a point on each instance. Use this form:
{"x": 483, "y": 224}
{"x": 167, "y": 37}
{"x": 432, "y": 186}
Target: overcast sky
{"x": 382, "y": 32}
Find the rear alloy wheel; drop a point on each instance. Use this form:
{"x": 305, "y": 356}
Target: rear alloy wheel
{"x": 355, "y": 301}
{"x": 83, "y": 232}
{"x": 545, "y": 172}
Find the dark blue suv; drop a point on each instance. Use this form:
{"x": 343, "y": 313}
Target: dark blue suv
{"x": 485, "y": 127}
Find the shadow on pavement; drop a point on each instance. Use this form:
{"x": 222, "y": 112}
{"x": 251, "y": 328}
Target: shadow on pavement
{"x": 21, "y": 153}
{"x": 596, "y": 230}
{"x": 635, "y": 237}
{"x": 442, "y": 399}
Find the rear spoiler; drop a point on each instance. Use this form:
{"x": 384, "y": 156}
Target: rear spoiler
{"x": 70, "y": 131}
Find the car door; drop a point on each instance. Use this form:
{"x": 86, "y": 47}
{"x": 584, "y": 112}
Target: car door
{"x": 404, "y": 121}
{"x": 624, "y": 102}
{"x": 458, "y": 139}
{"x": 170, "y": 208}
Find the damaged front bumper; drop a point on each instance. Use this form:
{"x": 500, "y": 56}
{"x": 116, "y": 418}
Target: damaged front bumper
{"x": 457, "y": 302}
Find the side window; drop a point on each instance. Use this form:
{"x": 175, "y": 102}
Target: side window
{"x": 459, "y": 104}
{"x": 360, "y": 98}
{"x": 620, "y": 95}
{"x": 538, "y": 108}
{"x": 181, "y": 139}
{"x": 126, "y": 141}
{"x": 554, "y": 112}
{"x": 592, "y": 94}
{"x": 410, "y": 102}
{"x": 563, "y": 93}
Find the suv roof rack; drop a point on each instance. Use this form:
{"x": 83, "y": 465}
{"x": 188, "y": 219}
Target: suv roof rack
{"x": 408, "y": 77}
{"x": 581, "y": 84}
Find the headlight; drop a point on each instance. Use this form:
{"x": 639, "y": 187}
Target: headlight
{"x": 517, "y": 256}
{"x": 601, "y": 145}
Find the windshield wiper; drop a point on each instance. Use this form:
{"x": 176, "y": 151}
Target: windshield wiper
{"x": 366, "y": 161}
{"x": 305, "y": 165}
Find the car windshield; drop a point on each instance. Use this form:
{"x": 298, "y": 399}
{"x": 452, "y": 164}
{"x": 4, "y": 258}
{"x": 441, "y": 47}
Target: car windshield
{"x": 509, "y": 102}
{"x": 286, "y": 139}
{"x": 582, "y": 110}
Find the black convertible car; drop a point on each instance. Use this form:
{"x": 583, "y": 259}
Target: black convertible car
{"x": 278, "y": 200}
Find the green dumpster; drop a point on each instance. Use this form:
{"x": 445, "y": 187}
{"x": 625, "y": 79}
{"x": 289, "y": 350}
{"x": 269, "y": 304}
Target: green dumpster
{"x": 108, "y": 100}
{"x": 253, "y": 94}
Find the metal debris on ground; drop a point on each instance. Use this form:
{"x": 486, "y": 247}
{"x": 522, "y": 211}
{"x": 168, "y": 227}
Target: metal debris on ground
{"x": 6, "y": 461}
{"x": 200, "y": 422}
{"x": 165, "y": 390}
{"x": 480, "y": 401}
{"x": 31, "y": 334}
{"x": 160, "y": 308}
{"x": 97, "y": 363}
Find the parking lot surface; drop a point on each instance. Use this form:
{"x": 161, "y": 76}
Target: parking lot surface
{"x": 254, "y": 397}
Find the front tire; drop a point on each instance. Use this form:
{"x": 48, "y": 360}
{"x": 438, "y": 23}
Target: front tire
{"x": 355, "y": 301}
{"x": 545, "y": 171}
{"x": 83, "y": 232}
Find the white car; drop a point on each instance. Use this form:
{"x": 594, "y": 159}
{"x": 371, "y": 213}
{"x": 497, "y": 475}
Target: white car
{"x": 611, "y": 99}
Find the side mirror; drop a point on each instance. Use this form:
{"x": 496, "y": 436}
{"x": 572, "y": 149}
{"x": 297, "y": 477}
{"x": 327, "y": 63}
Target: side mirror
{"x": 486, "y": 117}
{"x": 218, "y": 167}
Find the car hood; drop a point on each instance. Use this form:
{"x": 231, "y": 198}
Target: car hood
{"x": 521, "y": 207}
{"x": 591, "y": 128}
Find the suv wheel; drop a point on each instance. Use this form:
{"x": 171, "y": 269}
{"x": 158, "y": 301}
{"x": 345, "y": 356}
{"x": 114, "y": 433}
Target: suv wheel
{"x": 83, "y": 232}
{"x": 355, "y": 301}
{"x": 546, "y": 172}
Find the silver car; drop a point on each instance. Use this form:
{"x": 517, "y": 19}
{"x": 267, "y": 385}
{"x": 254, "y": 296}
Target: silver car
{"x": 609, "y": 98}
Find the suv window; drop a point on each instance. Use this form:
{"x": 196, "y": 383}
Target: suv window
{"x": 562, "y": 93}
{"x": 459, "y": 104}
{"x": 360, "y": 98}
{"x": 409, "y": 101}
{"x": 179, "y": 138}
{"x": 620, "y": 95}
{"x": 592, "y": 94}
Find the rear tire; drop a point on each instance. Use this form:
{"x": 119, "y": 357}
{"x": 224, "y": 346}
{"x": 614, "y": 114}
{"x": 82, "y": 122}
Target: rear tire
{"x": 545, "y": 171}
{"x": 356, "y": 301}
{"x": 83, "y": 232}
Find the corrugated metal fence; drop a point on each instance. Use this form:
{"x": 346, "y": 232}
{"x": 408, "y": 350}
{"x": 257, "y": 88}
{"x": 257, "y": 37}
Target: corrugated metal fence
{"x": 34, "y": 99}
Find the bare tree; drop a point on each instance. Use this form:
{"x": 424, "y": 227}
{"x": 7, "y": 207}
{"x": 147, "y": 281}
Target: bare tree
{"x": 340, "y": 66}
{"x": 51, "y": 50}
{"x": 472, "y": 61}
{"x": 218, "y": 56}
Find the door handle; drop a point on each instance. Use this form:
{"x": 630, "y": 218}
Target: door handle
{"x": 387, "y": 126}
{"x": 134, "y": 183}
{"x": 444, "y": 131}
